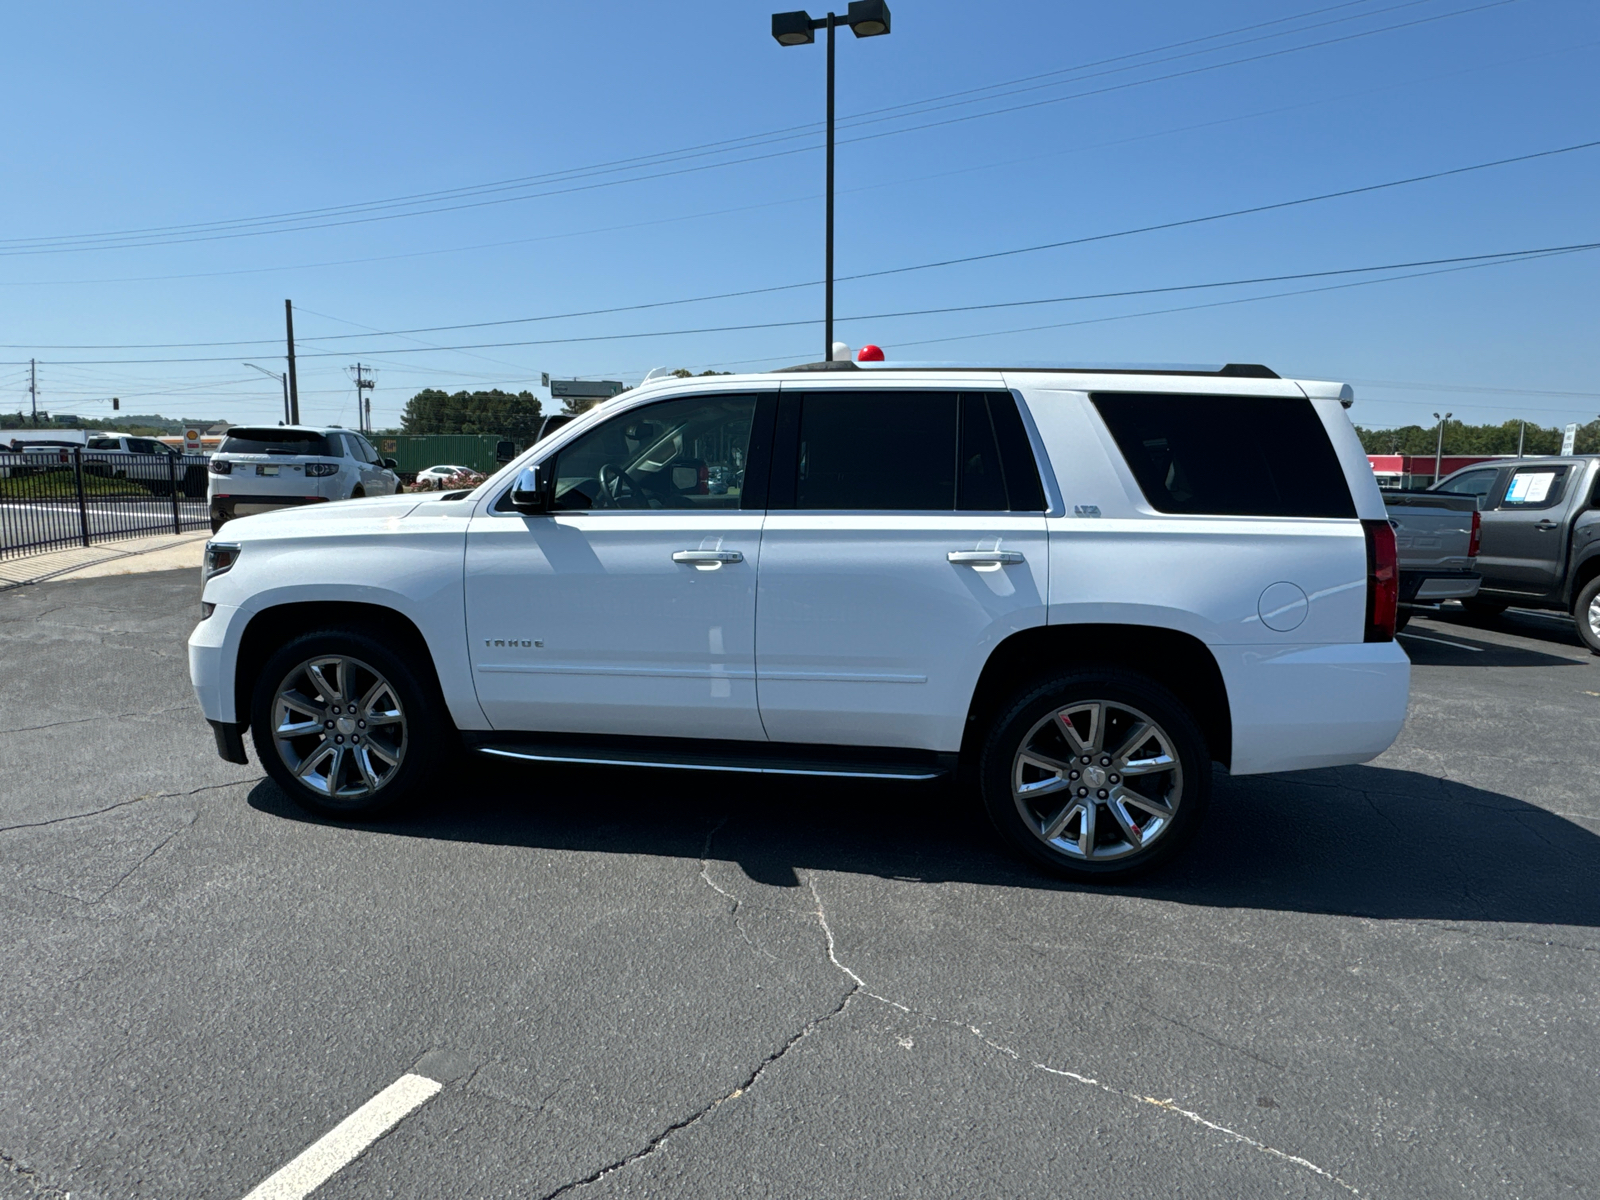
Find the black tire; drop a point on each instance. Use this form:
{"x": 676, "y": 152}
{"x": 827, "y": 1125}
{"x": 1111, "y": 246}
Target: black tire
{"x": 1483, "y": 610}
{"x": 217, "y": 523}
{"x": 1586, "y": 614}
{"x": 361, "y": 782}
{"x": 1402, "y": 618}
{"x": 1125, "y": 697}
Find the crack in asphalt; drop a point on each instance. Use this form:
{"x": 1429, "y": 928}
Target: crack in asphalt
{"x": 209, "y": 787}
{"x": 702, "y": 1113}
{"x": 133, "y": 716}
{"x": 733, "y": 901}
{"x": 858, "y": 985}
{"x": 805, "y": 1031}
{"x": 31, "y": 1177}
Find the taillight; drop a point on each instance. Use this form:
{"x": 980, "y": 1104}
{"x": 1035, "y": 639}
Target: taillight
{"x": 1383, "y": 581}
{"x": 703, "y": 481}
{"x": 1475, "y": 542}
{"x": 220, "y": 466}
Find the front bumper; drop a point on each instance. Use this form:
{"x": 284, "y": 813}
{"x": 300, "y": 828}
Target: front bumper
{"x": 213, "y": 646}
{"x": 228, "y": 506}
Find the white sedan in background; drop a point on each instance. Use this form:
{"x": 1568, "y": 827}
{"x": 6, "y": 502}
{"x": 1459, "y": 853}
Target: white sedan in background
{"x": 440, "y": 474}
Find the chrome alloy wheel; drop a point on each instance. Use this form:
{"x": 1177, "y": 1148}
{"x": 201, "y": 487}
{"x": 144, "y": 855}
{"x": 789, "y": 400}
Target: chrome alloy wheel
{"x": 1594, "y": 617}
{"x": 338, "y": 726}
{"x": 1097, "y": 780}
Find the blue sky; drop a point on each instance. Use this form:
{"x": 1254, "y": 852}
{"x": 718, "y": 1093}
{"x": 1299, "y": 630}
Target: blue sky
{"x": 120, "y": 117}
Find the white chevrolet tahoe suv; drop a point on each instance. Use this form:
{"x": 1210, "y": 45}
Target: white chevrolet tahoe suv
{"x": 1072, "y": 589}
{"x": 260, "y": 468}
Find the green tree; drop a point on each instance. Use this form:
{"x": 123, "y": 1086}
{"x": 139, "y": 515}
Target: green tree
{"x": 503, "y": 414}
{"x": 1461, "y": 438}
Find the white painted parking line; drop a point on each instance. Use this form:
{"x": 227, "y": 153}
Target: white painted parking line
{"x": 1442, "y": 642}
{"x": 326, "y": 1156}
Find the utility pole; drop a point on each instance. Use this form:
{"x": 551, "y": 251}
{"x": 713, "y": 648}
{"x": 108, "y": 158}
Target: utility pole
{"x": 33, "y": 390}
{"x": 294, "y": 385}
{"x": 1438, "y": 453}
{"x": 363, "y": 402}
{"x": 1522, "y": 432}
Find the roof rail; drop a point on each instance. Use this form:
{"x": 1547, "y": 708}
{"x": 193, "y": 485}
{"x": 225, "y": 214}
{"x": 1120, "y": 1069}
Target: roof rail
{"x": 1231, "y": 370}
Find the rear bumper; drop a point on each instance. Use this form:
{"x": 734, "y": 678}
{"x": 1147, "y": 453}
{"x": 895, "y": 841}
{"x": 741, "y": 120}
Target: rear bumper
{"x": 1429, "y": 587}
{"x": 1296, "y": 707}
{"x": 227, "y": 507}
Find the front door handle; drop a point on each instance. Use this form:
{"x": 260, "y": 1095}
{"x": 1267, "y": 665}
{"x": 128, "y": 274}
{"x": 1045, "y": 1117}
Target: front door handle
{"x": 1546, "y": 526}
{"x": 707, "y": 560}
{"x": 985, "y": 558}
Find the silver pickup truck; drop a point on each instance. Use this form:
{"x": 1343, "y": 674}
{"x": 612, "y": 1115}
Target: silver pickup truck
{"x": 1436, "y": 542}
{"x": 1541, "y": 536}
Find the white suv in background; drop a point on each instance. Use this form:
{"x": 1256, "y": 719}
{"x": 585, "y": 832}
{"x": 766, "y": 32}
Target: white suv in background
{"x": 261, "y": 468}
{"x": 1073, "y": 589}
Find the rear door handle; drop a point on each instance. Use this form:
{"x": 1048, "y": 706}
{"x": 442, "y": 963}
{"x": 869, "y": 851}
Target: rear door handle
{"x": 1545, "y": 526}
{"x": 985, "y": 558}
{"x": 707, "y": 560}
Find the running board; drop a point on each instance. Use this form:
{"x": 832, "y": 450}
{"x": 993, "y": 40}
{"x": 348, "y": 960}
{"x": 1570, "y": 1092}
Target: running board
{"x": 726, "y": 759}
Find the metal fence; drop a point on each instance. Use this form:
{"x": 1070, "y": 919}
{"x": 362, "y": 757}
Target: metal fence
{"x": 70, "y": 496}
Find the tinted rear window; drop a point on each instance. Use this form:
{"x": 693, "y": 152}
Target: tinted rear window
{"x": 878, "y": 451}
{"x": 276, "y": 441}
{"x": 1231, "y": 456}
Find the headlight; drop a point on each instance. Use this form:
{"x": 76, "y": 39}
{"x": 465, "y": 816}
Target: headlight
{"x": 316, "y": 469}
{"x": 218, "y": 466}
{"x": 220, "y": 556}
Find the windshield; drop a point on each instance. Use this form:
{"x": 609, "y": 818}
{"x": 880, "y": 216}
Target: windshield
{"x": 275, "y": 441}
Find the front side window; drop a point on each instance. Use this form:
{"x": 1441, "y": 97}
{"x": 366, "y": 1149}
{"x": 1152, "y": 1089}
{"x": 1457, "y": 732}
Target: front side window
{"x": 1535, "y": 487}
{"x": 679, "y": 454}
{"x": 1231, "y": 456}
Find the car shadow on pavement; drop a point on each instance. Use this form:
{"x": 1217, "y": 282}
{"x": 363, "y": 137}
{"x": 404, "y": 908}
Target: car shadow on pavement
{"x": 1537, "y": 625}
{"x": 1354, "y": 841}
{"x": 1432, "y": 646}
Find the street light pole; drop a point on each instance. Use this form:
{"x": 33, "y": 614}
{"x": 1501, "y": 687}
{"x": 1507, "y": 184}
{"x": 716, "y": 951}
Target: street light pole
{"x": 283, "y": 379}
{"x": 827, "y": 304}
{"x": 1438, "y": 452}
{"x": 866, "y": 18}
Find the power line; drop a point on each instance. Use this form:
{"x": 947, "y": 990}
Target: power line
{"x": 238, "y": 229}
{"x": 1504, "y": 256}
{"x": 897, "y": 181}
{"x": 662, "y": 156}
{"x": 747, "y": 292}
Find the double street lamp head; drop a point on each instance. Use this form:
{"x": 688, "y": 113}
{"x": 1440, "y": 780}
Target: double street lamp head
{"x": 866, "y": 18}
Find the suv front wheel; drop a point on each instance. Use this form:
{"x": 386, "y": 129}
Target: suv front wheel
{"x": 344, "y": 725}
{"x": 1097, "y": 775}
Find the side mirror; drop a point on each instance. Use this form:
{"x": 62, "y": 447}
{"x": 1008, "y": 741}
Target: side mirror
{"x": 505, "y": 450}
{"x": 391, "y": 464}
{"x": 528, "y": 492}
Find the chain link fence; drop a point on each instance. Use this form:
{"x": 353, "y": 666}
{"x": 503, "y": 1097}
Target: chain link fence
{"x": 69, "y": 496}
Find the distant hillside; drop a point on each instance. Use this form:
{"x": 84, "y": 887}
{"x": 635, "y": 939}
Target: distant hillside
{"x": 140, "y": 425}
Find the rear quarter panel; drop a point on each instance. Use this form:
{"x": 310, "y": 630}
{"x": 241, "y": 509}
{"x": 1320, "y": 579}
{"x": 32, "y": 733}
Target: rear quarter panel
{"x": 1307, "y": 693}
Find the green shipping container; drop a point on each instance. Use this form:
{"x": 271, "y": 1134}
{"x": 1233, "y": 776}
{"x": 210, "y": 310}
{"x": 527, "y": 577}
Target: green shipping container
{"x": 415, "y": 452}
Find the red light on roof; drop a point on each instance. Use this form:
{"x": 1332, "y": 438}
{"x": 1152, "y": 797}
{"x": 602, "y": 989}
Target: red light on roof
{"x": 869, "y": 354}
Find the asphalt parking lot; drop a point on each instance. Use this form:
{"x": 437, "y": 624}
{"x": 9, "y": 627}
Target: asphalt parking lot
{"x": 1377, "y": 980}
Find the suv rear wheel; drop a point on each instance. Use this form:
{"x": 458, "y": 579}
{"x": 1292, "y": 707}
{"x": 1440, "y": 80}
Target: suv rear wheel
{"x": 344, "y": 725}
{"x": 1097, "y": 775}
